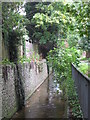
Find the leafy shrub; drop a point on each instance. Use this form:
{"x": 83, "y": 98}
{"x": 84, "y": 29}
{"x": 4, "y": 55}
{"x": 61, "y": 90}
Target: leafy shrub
{"x": 60, "y": 59}
{"x": 83, "y": 67}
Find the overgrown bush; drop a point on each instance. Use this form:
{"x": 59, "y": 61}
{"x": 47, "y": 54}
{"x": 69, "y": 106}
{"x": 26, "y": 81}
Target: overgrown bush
{"x": 60, "y": 59}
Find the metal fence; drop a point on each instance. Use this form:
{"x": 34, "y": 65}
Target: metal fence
{"x": 82, "y": 83}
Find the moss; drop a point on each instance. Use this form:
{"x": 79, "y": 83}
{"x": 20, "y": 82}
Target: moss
{"x": 11, "y": 112}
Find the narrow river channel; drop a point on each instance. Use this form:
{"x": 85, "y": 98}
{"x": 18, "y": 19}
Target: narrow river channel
{"x": 46, "y": 102}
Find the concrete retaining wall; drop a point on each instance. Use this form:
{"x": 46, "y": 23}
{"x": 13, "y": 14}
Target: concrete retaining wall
{"x": 31, "y": 76}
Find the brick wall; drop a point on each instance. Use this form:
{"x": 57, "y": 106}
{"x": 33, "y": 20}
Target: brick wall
{"x": 31, "y": 76}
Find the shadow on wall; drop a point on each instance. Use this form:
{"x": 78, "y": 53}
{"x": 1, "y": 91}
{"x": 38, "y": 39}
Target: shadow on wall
{"x": 19, "y": 88}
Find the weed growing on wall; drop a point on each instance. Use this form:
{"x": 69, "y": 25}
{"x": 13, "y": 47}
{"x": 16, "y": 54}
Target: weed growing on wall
{"x": 7, "y": 62}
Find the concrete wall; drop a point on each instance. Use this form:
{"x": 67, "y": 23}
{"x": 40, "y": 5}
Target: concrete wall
{"x": 0, "y": 92}
{"x": 31, "y": 75}
{"x": 9, "y": 105}
{"x": 30, "y": 48}
{"x": 5, "y": 51}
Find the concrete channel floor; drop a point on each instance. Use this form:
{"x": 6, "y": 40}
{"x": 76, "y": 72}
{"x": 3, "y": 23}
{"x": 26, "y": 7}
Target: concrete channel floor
{"x": 46, "y": 102}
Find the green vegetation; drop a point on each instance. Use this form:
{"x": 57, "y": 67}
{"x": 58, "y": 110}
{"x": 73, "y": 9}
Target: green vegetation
{"x": 33, "y": 57}
{"x": 60, "y": 25}
{"x": 7, "y": 62}
{"x": 61, "y": 58}
{"x": 62, "y": 32}
{"x": 49, "y": 24}
{"x": 23, "y": 60}
{"x": 73, "y": 99}
{"x": 83, "y": 67}
{"x": 13, "y": 27}
{"x": 85, "y": 59}
{"x": 48, "y": 21}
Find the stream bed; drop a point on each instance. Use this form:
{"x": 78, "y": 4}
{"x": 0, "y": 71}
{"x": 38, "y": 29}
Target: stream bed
{"x": 46, "y": 102}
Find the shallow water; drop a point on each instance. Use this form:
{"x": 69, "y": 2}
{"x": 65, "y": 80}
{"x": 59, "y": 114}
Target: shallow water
{"x": 46, "y": 102}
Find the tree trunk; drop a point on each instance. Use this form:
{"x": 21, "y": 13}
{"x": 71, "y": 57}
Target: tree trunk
{"x": 87, "y": 54}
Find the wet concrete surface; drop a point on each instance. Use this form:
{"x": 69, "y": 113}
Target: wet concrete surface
{"x": 46, "y": 102}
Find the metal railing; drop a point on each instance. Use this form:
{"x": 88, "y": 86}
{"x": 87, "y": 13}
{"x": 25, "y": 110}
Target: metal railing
{"x": 82, "y": 83}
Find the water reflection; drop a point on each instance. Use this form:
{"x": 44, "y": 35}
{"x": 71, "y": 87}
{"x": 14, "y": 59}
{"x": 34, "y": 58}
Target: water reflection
{"x": 46, "y": 102}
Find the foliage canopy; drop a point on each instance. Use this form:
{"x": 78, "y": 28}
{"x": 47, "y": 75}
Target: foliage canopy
{"x": 13, "y": 27}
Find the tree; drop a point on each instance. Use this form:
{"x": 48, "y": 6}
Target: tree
{"x": 80, "y": 11}
{"x": 31, "y": 10}
{"x": 13, "y": 27}
{"x": 54, "y": 21}
{"x": 48, "y": 23}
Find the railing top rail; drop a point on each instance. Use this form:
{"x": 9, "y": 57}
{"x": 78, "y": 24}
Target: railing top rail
{"x": 86, "y": 77}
